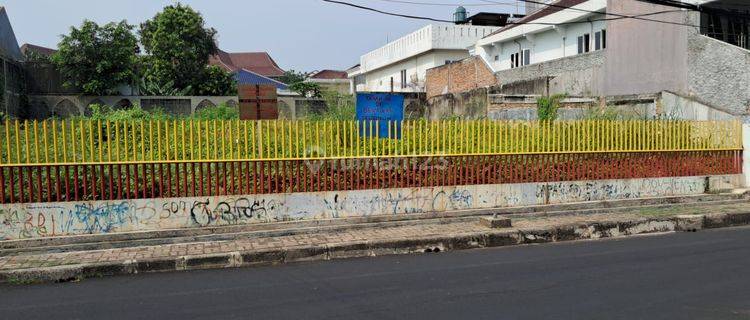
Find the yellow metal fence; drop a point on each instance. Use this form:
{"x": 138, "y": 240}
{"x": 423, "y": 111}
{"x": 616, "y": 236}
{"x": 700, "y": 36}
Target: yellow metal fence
{"x": 93, "y": 141}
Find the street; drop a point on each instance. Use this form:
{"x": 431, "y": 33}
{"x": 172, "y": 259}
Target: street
{"x": 671, "y": 276}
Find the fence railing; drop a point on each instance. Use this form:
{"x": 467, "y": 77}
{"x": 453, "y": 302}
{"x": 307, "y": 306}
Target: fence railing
{"x": 169, "y": 141}
{"x": 54, "y": 161}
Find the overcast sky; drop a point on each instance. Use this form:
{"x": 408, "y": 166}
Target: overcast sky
{"x": 303, "y": 35}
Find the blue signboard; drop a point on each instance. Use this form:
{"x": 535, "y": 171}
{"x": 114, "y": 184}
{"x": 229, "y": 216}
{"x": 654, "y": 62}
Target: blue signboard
{"x": 383, "y": 107}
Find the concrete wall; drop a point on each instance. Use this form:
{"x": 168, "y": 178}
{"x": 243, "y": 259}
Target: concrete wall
{"x": 41, "y": 107}
{"x": 465, "y": 105}
{"x": 719, "y": 74}
{"x": 579, "y": 75}
{"x": 11, "y": 88}
{"x": 505, "y": 107}
{"x": 646, "y": 57}
{"x": 22, "y": 221}
{"x": 460, "y": 76}
{"x": 677, "y": 107}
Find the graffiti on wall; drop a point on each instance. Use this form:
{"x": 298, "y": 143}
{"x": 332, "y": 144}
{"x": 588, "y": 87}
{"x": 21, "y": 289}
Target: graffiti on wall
{"x": 24, "y": 221}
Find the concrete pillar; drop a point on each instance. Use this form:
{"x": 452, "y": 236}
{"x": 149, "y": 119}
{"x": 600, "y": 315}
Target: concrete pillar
{"x": 746, "y": 153}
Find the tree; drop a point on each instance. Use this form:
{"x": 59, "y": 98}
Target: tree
{"x": 96, "y": 58}
{"x": 307, "y": 89}
{"x": 216, "y": 82}
{"x": 33, "y": 56}
{"x": 291, "y": 77}
{"x": 178, "y": 47}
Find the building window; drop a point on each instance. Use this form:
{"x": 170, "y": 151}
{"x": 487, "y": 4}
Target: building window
{"x": 403, "y": 79}
{"x": 600, "y": 40}
{"x": 515, "y": 60}
{"x": 526, "y": 57}
{"x": 497, "y": 58}
{"x": 584, "y": 43}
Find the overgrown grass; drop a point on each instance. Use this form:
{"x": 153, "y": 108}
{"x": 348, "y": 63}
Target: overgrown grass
{"x": 340, "y": 107}
{"x": 220, "y": 112}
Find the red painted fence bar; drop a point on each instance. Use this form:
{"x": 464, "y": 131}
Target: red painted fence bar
{"x": 113, "y": 181}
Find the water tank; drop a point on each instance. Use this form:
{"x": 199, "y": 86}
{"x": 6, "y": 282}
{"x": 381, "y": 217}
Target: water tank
{"x": 460, "y": 15}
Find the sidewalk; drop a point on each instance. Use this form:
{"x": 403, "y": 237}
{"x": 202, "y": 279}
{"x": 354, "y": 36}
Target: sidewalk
{"x": 430, "y": 235}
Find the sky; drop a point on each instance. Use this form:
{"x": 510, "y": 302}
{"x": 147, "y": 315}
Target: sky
{"x": 304, "y": 35}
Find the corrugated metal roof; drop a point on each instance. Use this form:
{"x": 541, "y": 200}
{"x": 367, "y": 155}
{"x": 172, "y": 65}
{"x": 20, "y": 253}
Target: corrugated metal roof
{"x": 248, "y": 77}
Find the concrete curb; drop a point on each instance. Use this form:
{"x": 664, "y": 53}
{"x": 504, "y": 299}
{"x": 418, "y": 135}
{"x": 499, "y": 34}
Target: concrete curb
{"x": 494, "y": 238}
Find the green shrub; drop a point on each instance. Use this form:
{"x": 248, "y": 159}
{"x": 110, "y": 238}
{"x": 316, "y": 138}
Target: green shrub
{"x": 338, "y": 107}
{"x": 220, "y": 112}
{"x": 546, "y": 107}
{"x": 107, "y": 113}
{"x": 606, "y": 113}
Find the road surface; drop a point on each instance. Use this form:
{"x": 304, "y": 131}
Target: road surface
{"x": 704, "y": 275}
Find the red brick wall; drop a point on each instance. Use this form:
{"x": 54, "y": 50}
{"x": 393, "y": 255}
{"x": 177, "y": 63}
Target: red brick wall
{"x": 460, "y": 76}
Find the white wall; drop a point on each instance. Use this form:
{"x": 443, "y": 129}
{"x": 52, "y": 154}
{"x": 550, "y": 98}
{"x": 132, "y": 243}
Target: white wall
{"x": 416, "y": 68}
{"x": 416, "y": 52}
{"x": 545, "y": 41}
{"x": 546, "y": 45}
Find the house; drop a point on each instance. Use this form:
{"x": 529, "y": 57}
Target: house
{"x": 331, "y": 80}
{"x": 31, "y": 50}
{"x": 588, "y": 50}
{"x": 401, "y": 65}
{"x": 551, "y": 33}
{"x": 356, "y": 79}
{"x": 257, "y": 62}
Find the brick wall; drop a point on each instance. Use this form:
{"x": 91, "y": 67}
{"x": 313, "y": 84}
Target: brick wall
{"x": 460, "y": 76}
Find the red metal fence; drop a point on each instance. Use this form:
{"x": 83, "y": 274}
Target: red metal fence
{"x": 701, "y": 152}
{"x": 54, "y": 183}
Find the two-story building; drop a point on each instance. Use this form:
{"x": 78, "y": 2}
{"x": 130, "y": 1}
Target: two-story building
{"x": 401, "y": 65}
{"x": 697, "y": 49}
{"x": 548, "y": 33}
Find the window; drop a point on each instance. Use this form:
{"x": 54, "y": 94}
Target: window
{"x": 600, "y": 40}
{"x": 403, "y": 79}
{"x": 584, "y": 43}
{"x": 515, "y": 60}
{"x": 497, "y": 58}
{"x": 526, "y": 57}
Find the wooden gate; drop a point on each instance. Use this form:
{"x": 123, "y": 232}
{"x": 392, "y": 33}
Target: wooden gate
{"x": 258, "y": 102}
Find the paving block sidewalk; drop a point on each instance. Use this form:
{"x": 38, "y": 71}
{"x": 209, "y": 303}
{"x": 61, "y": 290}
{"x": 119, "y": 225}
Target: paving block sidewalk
{"x": 430, "y": 236}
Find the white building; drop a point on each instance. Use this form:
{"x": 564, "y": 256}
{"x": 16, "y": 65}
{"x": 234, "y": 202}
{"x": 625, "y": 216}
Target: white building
{"x": 401, "y": 66}
{"x": 552, "y": 33}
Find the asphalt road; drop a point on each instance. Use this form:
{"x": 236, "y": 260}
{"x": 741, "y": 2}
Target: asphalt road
{"x": 703, "y": 275}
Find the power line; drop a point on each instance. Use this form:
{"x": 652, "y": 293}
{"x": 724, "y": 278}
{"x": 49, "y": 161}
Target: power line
{"x": 386, "y": 12}
{"x": 604, "y": 13}
{"x": 596, "y": 20}
{"x": 508, "y": 23}
{"x": 452, "y": 4}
